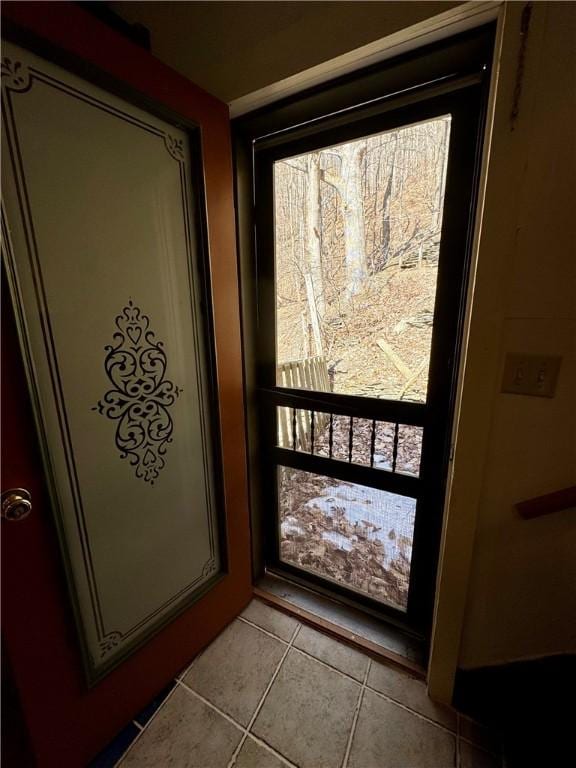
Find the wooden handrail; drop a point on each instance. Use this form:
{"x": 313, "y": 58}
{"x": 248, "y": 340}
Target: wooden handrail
{"x": 550, "y": 502}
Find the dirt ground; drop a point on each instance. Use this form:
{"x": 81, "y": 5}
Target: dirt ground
{"x": 394, "y": 306}
{"x": 356, "y": 536}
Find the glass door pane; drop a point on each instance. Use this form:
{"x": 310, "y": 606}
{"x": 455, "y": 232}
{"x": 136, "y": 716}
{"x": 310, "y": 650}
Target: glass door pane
{"x": 357, "y": 240}
{"x": 363, "y": 231}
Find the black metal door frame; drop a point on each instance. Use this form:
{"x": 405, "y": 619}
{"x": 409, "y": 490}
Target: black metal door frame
{"x": 460, "y": 92}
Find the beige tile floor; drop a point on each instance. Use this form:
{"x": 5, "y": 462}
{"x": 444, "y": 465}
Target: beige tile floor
{"x": 270, "y": 692}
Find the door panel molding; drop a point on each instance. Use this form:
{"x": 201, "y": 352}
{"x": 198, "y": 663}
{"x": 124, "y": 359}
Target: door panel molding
{"x": 137, "y": 391}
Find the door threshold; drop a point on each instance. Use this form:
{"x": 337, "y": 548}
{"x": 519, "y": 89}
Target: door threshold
{"x": 377, "y": 639}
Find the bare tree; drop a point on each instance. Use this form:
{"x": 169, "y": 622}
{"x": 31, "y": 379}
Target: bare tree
{"x": 312, "y": 219}
{"x": 348, "y": 183}
{"x": 384, "y": 252}
{"x": 362, "y": 220}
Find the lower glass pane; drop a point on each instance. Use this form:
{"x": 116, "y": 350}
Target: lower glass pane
{"x": 351, "y": 534}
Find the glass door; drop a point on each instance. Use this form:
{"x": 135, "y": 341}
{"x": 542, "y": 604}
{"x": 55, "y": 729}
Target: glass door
{"x": 362, "y": 239}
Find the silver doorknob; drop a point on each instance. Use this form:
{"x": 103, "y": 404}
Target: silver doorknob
{"x": 16, "y": 504}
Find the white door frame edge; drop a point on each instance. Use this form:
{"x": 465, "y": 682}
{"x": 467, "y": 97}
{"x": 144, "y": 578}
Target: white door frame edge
{"x": 453, "y": 21}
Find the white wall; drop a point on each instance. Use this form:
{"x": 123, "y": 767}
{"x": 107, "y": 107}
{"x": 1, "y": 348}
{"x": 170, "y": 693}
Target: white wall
{"x": 522, "y": 592}
{"x": 507, "y": 587}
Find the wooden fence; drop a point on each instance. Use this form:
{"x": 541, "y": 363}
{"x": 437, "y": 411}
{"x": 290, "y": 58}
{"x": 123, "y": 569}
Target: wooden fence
{"x": 311, "y": 374}
{"x": 305, "y": 374}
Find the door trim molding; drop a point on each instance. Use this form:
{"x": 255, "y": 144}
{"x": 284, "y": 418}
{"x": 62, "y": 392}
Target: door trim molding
{"x": 460, "y": 19}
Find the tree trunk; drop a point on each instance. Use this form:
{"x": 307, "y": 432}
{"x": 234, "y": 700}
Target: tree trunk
{"x": 441, "y": 173}
{"x": 354, "y": 233}
{"x": 385, "y": 244}
{"x": 386, "y": 224}
{"x": 314, "y": 312}
{"x": 312, "y": 219}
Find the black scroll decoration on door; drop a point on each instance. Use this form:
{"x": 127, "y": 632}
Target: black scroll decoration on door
{"x": 141, "y": 395}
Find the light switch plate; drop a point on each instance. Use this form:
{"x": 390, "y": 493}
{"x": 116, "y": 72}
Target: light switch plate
{"x": 534, "y": 375}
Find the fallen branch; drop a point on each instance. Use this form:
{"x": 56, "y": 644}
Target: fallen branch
{"x": 412, "y": 379}
{"x": 394, "y": 358}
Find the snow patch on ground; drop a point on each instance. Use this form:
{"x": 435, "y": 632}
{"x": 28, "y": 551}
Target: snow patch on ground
{"x": 376, "y": 514}
{"x": 291, "y": 525}
{"x": 382, "y": 462}
{"x": 341, "y": 541}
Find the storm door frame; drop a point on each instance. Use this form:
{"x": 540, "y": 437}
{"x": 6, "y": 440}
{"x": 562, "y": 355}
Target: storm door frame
{"x": 457, "y": 87}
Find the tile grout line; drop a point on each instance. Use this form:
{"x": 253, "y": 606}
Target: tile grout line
{"x": 365, "y": 686}
{"x": 261, "y": 702}
{"x": 246, "y": 730}
{"x": 378, "y": 693}
{"x": 397, "y": 650}
{"x": 209, "y": 704}
{"x": 145, "y": 726}
{"x": 356, "y": 715}
{"x": 270, "y": 749}
{"x": 187, "y": 669}
{"x": 355, "y": 680}
{"x": 265, "y": 631}
{"x": 178, "y": 681}
{"x": 309, "y": 655}
{"x": 328, "y": 666}
{"x": 412, "y": 711}
{"x": 239, "y": 726}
